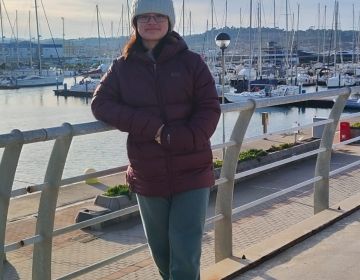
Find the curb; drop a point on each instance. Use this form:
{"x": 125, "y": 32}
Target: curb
{"x": 273, "y": 246}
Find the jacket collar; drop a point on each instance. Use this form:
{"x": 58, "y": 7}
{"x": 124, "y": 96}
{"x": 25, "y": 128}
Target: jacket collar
{"x": 173, "y": 45}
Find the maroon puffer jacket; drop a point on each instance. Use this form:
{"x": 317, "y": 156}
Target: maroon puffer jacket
{"x": 138, "y": 96}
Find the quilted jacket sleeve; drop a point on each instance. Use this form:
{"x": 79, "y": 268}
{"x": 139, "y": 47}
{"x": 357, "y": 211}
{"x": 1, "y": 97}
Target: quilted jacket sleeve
{"x": 107, "y": 106}
{"x": 196, "y": 133}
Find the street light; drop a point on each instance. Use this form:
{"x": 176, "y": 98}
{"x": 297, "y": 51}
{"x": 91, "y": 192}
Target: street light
{"x": 222, "y": 40}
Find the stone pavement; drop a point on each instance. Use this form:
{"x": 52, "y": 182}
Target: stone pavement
{"x": 332, "y": 254}
{"x": 85, "y": 247}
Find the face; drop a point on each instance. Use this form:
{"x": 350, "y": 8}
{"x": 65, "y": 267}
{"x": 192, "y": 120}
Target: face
{"x": 152, "y": 28}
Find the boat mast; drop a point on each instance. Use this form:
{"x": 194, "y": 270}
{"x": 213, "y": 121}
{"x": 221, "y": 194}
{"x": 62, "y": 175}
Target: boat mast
{"x": 128, "y": 15}
{"x": 274, "y": 14}
{"x": 63, "y": 34}
{"x": 297, "y": 39}
{"x": 190, "y": 24}
{"x": 260, "y": 40}
{"x": 318, "y": 34}
{"x": 354, "y": 46}
{"x": 17, "y": 38}
{"x": 30, "y": 43}
{"x": 98, "y": 29}
{"x": 226, "y": 12}
{"x": 358, "y": 41}
{"x": 212, "y": 14}
{"x": 250, "y": 46}
{"x": 324, "y": 38}
{"x": 2, "y": 35}
{"x": 212, "y": 58}
{"x": 38, "y": 38}
{"x": 274, "y": 50}
{"x": 183, "y": 17}
{"x": 287, "y": 36}
{"x": 122, "y": 20}
{"x": 335, "y": 34}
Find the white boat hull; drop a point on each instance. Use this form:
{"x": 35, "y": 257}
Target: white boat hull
{"x": 341, "y": 81}
{"x": 37, "y": 81}
{"x": 353, "y": 103}
{"x": 85, "y": 86}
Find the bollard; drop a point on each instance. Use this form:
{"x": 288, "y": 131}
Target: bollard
{"x": 90, "y": 181}
{"x": 296, "y": 131}
{"x": 265, "y": 121}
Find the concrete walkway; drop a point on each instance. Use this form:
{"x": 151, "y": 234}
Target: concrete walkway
{"x": 84, "y": 247}
{"x": 332, "y": 254}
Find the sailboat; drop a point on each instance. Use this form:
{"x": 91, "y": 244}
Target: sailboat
{"x": 52, "y": 77}
{"x": 90, "y": 79}
{"x": 338, "y": 80}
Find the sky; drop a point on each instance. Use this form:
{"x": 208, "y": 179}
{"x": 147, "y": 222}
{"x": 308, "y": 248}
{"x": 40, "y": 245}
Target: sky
{"x": 79, "y": 16}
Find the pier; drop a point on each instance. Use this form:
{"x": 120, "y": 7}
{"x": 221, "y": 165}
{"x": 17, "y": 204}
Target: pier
{"x": 253, "y": 215}
{"x": 68, "y": 93}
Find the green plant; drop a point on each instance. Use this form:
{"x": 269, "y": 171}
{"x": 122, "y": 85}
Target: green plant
{"x": 280, "y": 147}
{"x": 218, "y": 163}
{"x": 286, "y": 146}
{"x": 257, "y": 153}
{"x": 355, "y": 125}
{"x": 252, "y": 154}
{"x": 273, "y": 148}
{"x": 118, "y": 190}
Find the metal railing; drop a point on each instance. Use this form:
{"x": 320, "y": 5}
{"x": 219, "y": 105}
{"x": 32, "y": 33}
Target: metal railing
{"x": 42, "y": 240}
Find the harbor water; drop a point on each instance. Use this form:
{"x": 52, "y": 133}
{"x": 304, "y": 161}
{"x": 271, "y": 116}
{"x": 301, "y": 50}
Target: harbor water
{"x": 35, "y": 108}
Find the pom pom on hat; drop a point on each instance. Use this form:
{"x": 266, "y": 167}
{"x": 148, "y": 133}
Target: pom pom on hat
{"x": 164, "y": 7}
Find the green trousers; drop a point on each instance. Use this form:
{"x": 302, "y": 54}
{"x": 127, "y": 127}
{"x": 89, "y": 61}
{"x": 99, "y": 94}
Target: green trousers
{"x": 174, "y": 227}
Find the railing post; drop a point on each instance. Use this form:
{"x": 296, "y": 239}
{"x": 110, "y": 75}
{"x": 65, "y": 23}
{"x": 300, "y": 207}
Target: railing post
{"x": 8, "y": 166}
{"x": 322, "y": 168}
{"x": 47, "y": 205}
{"x": 224, "y": 198}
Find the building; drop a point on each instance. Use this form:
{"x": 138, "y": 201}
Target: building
{"x": 25, "y": 51}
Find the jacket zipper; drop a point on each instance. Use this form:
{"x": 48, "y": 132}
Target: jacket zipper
{"x": 163, "y": 113}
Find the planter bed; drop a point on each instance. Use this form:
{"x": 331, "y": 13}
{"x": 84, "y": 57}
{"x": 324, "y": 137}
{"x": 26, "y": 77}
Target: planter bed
{"x": 104, "y": 204}
{"x": 302, "y": 147}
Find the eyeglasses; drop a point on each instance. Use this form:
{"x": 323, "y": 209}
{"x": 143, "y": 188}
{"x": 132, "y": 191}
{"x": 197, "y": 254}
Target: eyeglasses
{"x": 158, "y": 18}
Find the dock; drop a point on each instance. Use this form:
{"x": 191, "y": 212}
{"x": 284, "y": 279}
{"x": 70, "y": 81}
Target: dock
{"x": 68, "y": 93}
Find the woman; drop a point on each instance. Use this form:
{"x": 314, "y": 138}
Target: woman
{"x": 164, "y": 96}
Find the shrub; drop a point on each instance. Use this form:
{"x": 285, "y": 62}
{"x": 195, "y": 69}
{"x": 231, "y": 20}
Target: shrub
{"x": 256, "y": 153}
{"x": 273, "y": 149}
{"x": 251, "y": 154}
{"x": 280, "y": 147}
{"x": 286, "y": 146}
{"x": 118, "y": 190}
{"x": 355, "y": 125}
{"x": 218, "y": 163}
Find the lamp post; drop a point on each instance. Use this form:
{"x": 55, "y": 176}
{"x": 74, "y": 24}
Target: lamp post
{"x": 222, "y": 40}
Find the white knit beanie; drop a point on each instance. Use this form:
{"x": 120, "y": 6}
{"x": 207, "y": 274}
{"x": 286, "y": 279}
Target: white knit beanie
{"x": 164, "y": 7}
